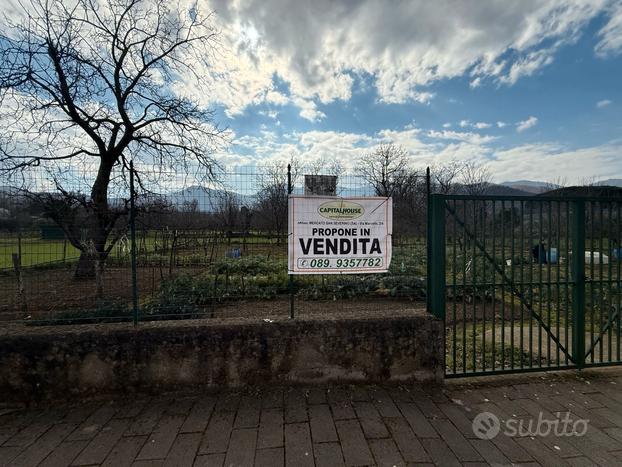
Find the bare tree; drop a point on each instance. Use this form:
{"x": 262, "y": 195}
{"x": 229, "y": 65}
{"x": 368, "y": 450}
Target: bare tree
{"x": 388, "y": 171}
{"x": 89, "y": 86}
{"x": 475, "y": 178}
{"x": 588, "y": 180}
{"x": 228, "y": 211}
{"x": 554, "y": 184}
{"x": 409, "y": 201}
{"x": 325, "y": 166}
{"x": 444, "y": 177}
{"x": 272, "y": 198}
{"x": 384, "y": 168}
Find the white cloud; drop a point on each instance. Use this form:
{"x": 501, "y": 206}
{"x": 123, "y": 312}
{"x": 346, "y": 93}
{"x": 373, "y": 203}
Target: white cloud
{"x": 530, "y": 161}
{"x": 477, "y": 82}
{"x": 319, "y": 47}
{"x": 602, "y": 104}
{"x": 273, "y": 114}
{"x": 611, "y": 34}
{"x": 312, "y": 146}
{"x": 408, "y": 138}
{"x": 467, "y": 137}
{"x": 274, "y": 97}
{"x": 469, "y": 124}
{"x": 501, "y": 124}
{"x": 526, "y": 124}
{"x": 528, "y": 65}
{"x": 447, "y": 125}
{"x": 308, "y": 109}
{"x": 537, "y": 161}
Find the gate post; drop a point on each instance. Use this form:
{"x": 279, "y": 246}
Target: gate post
{"x": 578, "y": 279}
{"x": 290, "y": 279}
{"x": 428, "y": 226}
{"x": 133, "y": 245}
{"x": 436, "y": 245}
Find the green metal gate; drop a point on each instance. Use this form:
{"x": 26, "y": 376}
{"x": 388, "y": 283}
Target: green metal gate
{"x": 525, "y": 283}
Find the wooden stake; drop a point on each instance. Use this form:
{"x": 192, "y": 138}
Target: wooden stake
{"x": 17, "y": 266}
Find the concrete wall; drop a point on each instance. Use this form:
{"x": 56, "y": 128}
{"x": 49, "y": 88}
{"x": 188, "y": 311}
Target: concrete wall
{"x": 65, "y": 361}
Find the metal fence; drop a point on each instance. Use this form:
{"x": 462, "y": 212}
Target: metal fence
{"x": 179, "y": 246}
{"x": 526, "y": 283}
{"x": 523, "y": 283}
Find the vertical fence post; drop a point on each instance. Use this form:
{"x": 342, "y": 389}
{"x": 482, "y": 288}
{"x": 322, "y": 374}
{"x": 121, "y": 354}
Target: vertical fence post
{"x": 578, "y": 279}
{"x": 290, "y": 189}
{"x": 436, "y": 248}
{"x": 17, "y": 266}
{"x": 133, "y": 245}
{"x": 428, "y": 191}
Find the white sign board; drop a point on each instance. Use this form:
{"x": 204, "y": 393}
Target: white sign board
{"x": 332, "y": 235}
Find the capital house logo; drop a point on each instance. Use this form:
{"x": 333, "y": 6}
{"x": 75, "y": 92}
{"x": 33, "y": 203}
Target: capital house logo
{"x": 341, "y": 210}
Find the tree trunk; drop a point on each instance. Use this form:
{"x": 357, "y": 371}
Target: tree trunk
{"x": 99, "y": 278}
{"x": 85, "y": 268}
{"x": 171, "y": 261}
{"x": 21, "y": 295}
{"x": 91, "y": 262}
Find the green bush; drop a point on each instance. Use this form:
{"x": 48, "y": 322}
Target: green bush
{"x": 105, "y": 311}
{"x": 248, "y": 266}
{"x": 352, "y": 286}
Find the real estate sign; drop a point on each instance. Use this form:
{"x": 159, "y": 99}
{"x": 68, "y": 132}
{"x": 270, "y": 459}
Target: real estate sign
{"x": 333, "y": 235}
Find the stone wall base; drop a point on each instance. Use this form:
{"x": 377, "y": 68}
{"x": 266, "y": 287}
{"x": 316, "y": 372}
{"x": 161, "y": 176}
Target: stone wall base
{"x": 40, "y": 363}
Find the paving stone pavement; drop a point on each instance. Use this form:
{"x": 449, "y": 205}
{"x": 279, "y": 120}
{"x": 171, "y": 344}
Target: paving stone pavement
{"x": 331, "y": 426}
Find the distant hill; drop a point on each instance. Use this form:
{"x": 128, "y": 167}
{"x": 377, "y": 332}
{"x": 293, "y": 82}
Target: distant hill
{"x": 7, "y": 189}
{"x": 611, "y": 182}
{"x": 530, "y": 186}
{"x": 586, "y": 191}
{"x": 207, "y": 199}
{"x": 210, "y": 199}
{"x": 492, "y": 189}
{"x": 537, "y": 187}
{"x": 504, "y": 190}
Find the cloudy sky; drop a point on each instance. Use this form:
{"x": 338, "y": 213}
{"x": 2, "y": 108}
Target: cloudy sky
{"x": 532, "y": 87}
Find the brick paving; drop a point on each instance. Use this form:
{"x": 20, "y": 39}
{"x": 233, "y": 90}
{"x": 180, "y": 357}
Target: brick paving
{"x": 327, "y": 426}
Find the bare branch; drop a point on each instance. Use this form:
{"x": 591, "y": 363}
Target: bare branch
{"x": 383, "y": 168}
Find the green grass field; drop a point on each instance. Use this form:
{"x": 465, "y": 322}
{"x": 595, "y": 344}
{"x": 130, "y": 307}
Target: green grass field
{"x": 190, "y": 249}
{"x": 36, "y": 251}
